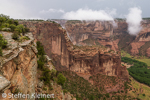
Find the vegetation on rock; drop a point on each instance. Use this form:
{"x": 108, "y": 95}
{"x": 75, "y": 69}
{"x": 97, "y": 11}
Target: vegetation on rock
{"x": 11, "y": 25}
{"x": 61, "y": 79}
{"x": 3, "y": 44}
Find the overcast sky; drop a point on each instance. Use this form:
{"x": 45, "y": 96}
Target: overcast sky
{"x": 58, "y": 9}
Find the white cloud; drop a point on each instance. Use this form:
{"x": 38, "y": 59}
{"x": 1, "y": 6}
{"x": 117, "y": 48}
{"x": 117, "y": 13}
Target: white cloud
{"x": 53, "y": 11}
{"x": 134, "y": 19}
{"x": 89, "y": 14}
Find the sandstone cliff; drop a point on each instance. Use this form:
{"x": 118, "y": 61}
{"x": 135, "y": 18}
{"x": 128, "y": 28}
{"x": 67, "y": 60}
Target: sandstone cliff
{"x": 106, "y": 34}
{"x": 66, "y": 56}
{"x": 18, "y": 66}
{"x": 19, "y": 71}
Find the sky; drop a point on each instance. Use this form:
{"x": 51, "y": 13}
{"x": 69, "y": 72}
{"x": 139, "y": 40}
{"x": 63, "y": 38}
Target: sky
{"x": 72, "y": 9}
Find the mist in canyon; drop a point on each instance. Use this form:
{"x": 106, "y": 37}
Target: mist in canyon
{"x": 134, "y": 19}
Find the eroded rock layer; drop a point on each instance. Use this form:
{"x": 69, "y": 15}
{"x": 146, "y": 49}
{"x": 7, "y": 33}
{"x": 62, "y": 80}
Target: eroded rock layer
{"x": 81, "y": 59}
{"x": 110, "y": 34}
{"x": 18, "y": 66}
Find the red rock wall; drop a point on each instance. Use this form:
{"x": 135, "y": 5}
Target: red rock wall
{"x": 113, "y": 37}
{"x": 57, "y": 46}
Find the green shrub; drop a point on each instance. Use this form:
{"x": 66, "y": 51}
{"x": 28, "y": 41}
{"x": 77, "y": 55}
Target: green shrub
{"x": 16, "y": 91}
{"x": 143, "y": 94}
{"x": 44, "y": 88}
{"x": 3, "y": 44}
{"x": 12, "y": 27}
{"x": 26, "y": 29}
{"x": 16, "y": 22}
{"x": 118, "y": 98}
{"x": 46, "y": 76}
{"x": 1, "y": 52}
{"x": 7, "y": 24}
{"x": 104, "y": 98}
{"x": 107, "y": 95}
{"x": 65, "y": 91}
{"x": 122, "y": 91}
{"x": 23, "y": 38}
{"x": 61, "y": 79}
{"x": 40, "y": 64}
{"x": 40, "y": 48}
{"x": 15, "y": 36}
{"x": 20, "y": 29}
{"x": 10, "y": 21}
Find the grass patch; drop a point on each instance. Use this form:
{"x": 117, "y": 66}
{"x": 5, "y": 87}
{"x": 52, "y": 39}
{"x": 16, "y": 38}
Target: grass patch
{"x": 140, "y": 90}
{"x": 142, "y": 59}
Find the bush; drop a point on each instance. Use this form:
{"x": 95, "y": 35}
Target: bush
{"x": 46, "y": 76}
{"x": 65, "y": 91}
{"x": 3, "y": 44}
{"x": 12, "y": 27}
{"x": 7, "y": 24}
{"x": 23, "y": 38}
{"x": 44, "y": 88}
{"x": 16, "y": 22}
{"x": 40, "y": 64}
{"x": 122, "y": 91}
{"x": 1, "y": 52}
{"x": 40, "y": 48}
{"x": 107, "y": 95}
{"x": 15, "y": 36}
{"x": 20, "y": 29}
{"x": 118, "y": 98}
{"x": 61, "y": 79}
{"x": 26, "y": 29}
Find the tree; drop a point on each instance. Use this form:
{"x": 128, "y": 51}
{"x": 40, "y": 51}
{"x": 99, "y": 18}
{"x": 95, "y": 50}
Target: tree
{"x": 40, "y": 48}
{"x": 20, "y": 29}
{"x": 10, "y": 21}
{"x": 15, "y": 36}
{"x": 61, "y": 79}
{"x": 3, "y": 44}
{"x": 12, "y": 26}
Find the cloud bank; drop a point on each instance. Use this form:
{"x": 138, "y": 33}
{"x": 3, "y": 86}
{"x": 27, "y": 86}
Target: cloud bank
{"x": 134, "y": 19}
{"x": 89, "y": 14}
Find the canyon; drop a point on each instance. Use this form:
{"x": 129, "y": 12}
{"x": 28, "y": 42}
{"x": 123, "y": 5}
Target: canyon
{"x": 88, "y": 48}
{"x": 112, "y": 34}
{"x": 80, "y": 59}
{"x": 19, "y": 72}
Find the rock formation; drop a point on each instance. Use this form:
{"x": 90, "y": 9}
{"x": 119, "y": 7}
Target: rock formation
{"x": 81, "y": 59}
{"x": 106, "y": 34}
{"x": 18, "y": 65}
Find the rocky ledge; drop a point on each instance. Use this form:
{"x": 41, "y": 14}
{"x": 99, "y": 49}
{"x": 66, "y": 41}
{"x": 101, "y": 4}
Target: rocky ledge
{"x": 18, "y": 65}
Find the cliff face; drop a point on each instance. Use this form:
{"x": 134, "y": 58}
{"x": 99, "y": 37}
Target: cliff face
{"x": 18, "y": 66}
{"x": 19, "y": 71}
{"x": 110, "y": 35}
{"x": 53, "y": 39}
{"x": 66, "y": 56}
